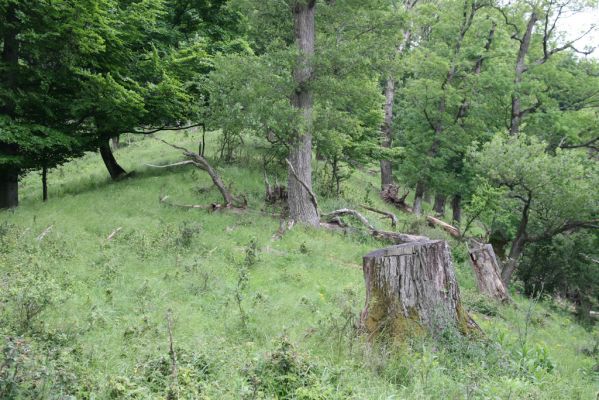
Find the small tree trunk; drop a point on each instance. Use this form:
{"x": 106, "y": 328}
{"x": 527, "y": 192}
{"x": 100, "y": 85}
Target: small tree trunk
{"x": 114, "y": 169}
{"x": 114, "y": 142}
{"x": 418, "y": 196}
{"x": 9, "y": 189}
{"x": 487, "y": 271}
{"x": 456, "y": 208}
{"x": 412, "y": 288}
{"x": 387, "y": 132}
{"x": 439, "y": 206}
{"x": 44, "y": 184}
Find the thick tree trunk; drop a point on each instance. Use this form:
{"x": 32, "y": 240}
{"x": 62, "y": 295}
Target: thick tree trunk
{"x": 9, "y": 189}
{"x": 487, "y": 271}
{"x": 456, "y": 208}
{"x": 418, "y": 196}
{"x": 439, "y": 206}
{"x": 412, "y": 288}
{"x": 44, "y": 184}
{"x": 301, "y": 206}
{"x": 114, "y": 169}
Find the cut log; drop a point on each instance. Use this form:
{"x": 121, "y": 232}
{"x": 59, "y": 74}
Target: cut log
{"x": 411, "y": 289}
{"x": 452, "y": 230}
{"x": 487, "y": 271}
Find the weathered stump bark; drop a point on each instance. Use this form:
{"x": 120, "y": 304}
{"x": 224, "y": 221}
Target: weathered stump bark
{"x": 487, "y": 271}
{"x": 412, "y": 289}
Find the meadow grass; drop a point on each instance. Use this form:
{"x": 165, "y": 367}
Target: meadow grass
{"x": 240, "y": 301}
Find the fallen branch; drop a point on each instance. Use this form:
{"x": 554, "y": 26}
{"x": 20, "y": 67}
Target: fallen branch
{"x": 187, "y": 162}
{"x": 385, "y": 213}
{"x": 113, "y": 234}
{"x": 310, "y": 192}
{"x": 395, "y": 237}
{"x": 452, "y": 230}
{"x": 202, "y": 163}
{"x": 44, "y": 233}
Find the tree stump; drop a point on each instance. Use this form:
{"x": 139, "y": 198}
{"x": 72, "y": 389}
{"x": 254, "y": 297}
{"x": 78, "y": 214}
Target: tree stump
{"x": 487, "y": 271}
{"x": 412, "y": 289}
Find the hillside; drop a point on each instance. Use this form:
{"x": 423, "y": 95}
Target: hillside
{"x": 85, "y": 317}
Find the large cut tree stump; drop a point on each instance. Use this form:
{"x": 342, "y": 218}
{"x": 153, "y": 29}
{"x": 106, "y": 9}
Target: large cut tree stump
{"x": 412, "y": 289}
{"x": 487, "y": 271}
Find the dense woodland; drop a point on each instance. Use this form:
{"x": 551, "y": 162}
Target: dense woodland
{"x": 477, "y": 118}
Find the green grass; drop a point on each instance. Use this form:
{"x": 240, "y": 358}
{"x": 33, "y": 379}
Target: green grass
{"x": 105, "y": 320}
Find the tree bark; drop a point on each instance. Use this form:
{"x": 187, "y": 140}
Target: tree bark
{"x": 301, "y": 207}
{"x": 456, "y": 207}
{"x": 418, "y": 196}
{"x": 487, "y": 271}
{"x": 439, "y": 206}
{"x": 9, "y": 189}
{"x": 516, "y": 116}
{"x": 387, "y": 132}
{"x": 114, "y": 142}
{"x": 517, "y": 244}
{"x": 412, "y": 288}
{"x": 44, "y": 184}
{"x": 114, "y": 169}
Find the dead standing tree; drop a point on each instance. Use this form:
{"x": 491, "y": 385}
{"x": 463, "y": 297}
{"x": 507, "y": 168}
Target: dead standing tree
{"x": 487, "y": 271}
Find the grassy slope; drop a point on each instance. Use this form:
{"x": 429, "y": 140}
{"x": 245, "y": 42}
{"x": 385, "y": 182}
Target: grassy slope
{"x": 307, "y": 286}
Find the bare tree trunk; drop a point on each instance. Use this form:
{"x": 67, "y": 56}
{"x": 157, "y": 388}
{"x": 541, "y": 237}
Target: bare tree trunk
{"x": 456, "y": 207}
{"x": 114, "y": 169}
{"x": 439, "y": 206}
{"x": 412, "y": 288}
{"x": 44, "y": 184}
{"x": 387, "y": 132}
{"x": 387, "y": 128}
{"x": 487, "y": 270}
{"x": 9, "y": 189}
{"x": 418, "y": 196}
{"x": 516, "y": 117}
{"x": 301, "y": 207}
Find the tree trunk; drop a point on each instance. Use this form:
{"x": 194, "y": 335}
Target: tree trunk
{"x": 114, "y": 169}
{"x": 114, "y": 142}
{"x": 387, "y": 132}
{"x": 516, "y": 116}
{"x": 439, "y": 206}
{"x": 456, "y": 208}
{"x": 301, "y": 206}
{"x": 44, "y": 184}
{"x": 512, "y": 261}
{"x": 418, "y": 196}
{"x": 412, "y": 288}
{"x": 9, "y": 189}
{"x": 487, "y": 271}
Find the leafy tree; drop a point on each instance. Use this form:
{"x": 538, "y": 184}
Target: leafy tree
{"x": 544, "y": 195}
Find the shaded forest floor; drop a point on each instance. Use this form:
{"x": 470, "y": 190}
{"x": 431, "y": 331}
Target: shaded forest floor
{"x": 88, "y": 317}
